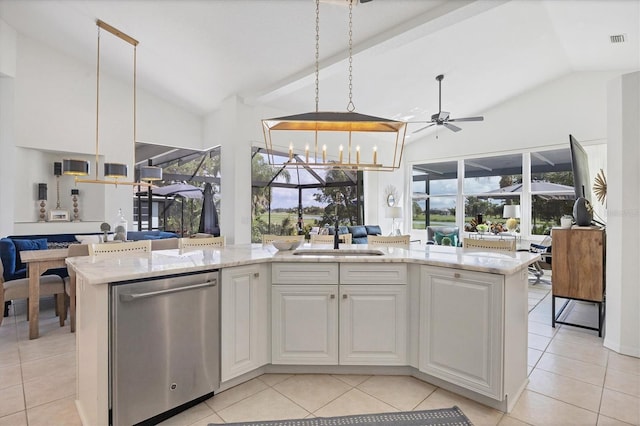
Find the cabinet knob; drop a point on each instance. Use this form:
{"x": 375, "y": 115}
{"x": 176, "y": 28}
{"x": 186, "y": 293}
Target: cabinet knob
{"x": 333, "y": 296}
{"x": 256, "y": 275}
{"x": 344, "y": 296}
{"x": 456, "y": 275}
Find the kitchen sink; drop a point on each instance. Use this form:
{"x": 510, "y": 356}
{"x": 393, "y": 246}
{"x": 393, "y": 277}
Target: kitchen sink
{"x": 337, "y": 252}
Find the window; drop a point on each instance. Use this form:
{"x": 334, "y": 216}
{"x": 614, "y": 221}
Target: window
{"x": 289, "y": 201}
{"x": 434, "y": 190}
{"x": 187, "y": 171}
{"x": 489, "y": 184}
{"x": 544, "y": 191}
{"x": 552, "y": 193}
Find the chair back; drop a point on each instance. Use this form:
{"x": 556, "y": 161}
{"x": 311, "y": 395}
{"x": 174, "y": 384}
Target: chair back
{"x": 201, "y": 242}
{"x": 391, "y": 240}
{"x": 164, "y": 244}
{"x": 268, "y": 238}
{"x": 328, "y": 239}
{"x": 496, "y": 245}
{"x": 142, "y": 246}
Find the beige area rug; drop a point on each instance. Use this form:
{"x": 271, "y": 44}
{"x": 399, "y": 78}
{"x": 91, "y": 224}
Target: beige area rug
{"x": 441, "y": 417}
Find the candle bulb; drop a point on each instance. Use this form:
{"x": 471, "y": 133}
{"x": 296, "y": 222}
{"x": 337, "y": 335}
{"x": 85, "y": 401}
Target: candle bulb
{"x": 358, "y": 154}
{"x": 324, "y": 153}
{"x": 340, "y": 154}
{"x": 290, "y": 152}
{"x": 306, "y": 153}
{"x": 375, "y": 155}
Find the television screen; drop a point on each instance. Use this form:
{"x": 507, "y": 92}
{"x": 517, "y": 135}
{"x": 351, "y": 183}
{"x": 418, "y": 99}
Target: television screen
{"x": 580, "y": 168}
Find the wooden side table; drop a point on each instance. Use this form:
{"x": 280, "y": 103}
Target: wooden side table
{"x": 578, "y": 265}
{"x": 38, "y": 262}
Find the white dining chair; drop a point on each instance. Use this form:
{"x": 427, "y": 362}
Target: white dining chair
{"x": 497, "y": 245}
{"x": 201, "y": 242}
{"x": 269, "y": 238}
{"x": 124, "y": 247}
{"x": 328, "y": 239}
{"x": 389, "y": 240}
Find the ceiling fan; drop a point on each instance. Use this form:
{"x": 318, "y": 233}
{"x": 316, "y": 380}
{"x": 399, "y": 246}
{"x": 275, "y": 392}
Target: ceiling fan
{"x": 442, "y": 117}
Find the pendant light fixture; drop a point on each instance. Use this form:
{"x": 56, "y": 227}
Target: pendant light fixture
{"x": 113, "y": 172}
{"x": 337, "y": 130}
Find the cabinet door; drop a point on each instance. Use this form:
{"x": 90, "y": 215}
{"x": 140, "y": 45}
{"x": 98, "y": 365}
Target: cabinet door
{"x": 461, "y": 330}
{"x": 304, "y": 324}
{"x": 578, "y": 263}
{"x": 373, "y": 324}
{"x": 244, "y": 320}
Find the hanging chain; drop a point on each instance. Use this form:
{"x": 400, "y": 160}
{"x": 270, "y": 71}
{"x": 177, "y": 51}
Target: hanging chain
{"x": 97, "y": 101}
{"x": 317, "y": 53}
{"x": 350, "y": 106}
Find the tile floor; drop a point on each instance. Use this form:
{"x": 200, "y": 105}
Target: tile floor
{"x": 573, "y": 380}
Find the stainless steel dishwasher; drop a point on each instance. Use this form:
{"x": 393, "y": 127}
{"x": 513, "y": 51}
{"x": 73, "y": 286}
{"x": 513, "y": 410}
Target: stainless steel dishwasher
{"x": 165, "y": 346}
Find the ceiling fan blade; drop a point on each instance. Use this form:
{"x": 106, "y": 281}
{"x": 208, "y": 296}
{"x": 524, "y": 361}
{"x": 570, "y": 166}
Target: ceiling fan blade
{"x": 422, "y": 128}
{"x": 468, "y": 119}
{"x": 452, "y": 127}
{"x": 443, "y": 115}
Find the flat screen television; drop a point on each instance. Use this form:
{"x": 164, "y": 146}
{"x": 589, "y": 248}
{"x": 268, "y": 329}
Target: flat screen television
{"x": 580, "y": 168}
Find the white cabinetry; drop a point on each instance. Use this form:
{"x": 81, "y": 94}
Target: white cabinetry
{"x": 244, "y": 319}
{"x": 461, "y": 328}
{"x": 373, "y": 324}
{"x": 365, "y": 302}
{"x": 304, "y": 324}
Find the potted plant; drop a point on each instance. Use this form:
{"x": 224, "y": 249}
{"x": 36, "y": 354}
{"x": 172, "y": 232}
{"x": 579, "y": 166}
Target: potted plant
{"x": 482, "y": 228}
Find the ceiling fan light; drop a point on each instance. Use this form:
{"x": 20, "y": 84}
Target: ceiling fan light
{"x": 115, "y": 170}
{"x": 75, "y": 167}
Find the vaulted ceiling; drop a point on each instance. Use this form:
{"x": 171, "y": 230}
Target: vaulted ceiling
{"x": 196, "y": 53}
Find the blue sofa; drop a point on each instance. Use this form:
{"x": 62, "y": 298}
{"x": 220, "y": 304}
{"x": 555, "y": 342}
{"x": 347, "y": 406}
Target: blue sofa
{"x": 359, "y": 233}
{"x": 11, "y": 246}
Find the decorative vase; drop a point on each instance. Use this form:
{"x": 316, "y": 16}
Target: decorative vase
{"x": 582, "y": 212}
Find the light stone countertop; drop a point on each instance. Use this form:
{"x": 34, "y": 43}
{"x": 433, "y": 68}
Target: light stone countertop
{"x": 113, "y": 268}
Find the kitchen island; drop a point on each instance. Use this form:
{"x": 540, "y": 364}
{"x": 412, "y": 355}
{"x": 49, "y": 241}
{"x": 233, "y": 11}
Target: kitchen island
{"x": 456, "y": 318}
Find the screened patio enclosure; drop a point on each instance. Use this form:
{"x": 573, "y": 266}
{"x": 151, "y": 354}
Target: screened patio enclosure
{"x": 175, "y": 204}
{"x": 300, "y": 200}
{"x": 482, "y": 186}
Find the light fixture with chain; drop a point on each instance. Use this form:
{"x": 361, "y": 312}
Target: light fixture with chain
{"x": 336, "y": 129}
{"x": 113, "y": 172}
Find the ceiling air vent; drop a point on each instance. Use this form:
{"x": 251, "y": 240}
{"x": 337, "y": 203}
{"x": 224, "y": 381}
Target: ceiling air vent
{"x": 618, "y": 38}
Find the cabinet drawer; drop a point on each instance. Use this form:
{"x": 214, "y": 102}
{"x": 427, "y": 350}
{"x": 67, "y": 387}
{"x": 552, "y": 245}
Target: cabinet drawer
{"x": 373, "y": 273}
{"x": 304, "y": 273}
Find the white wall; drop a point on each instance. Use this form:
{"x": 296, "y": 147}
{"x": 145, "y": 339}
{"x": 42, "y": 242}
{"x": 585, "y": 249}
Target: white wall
{"x": 623, "y": 233}
{"x": 55, "y": 117}
{"x": 8, "y": 38}
{"x": 7, "y": 138}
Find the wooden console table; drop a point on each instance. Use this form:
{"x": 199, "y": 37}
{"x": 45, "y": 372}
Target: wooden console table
{"x": 38, "y": 262}
{"x": 578, "y": 265}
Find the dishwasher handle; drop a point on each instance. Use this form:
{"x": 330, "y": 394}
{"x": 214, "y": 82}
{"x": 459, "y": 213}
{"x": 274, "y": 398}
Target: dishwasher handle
{"x": 137, "y": 296}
